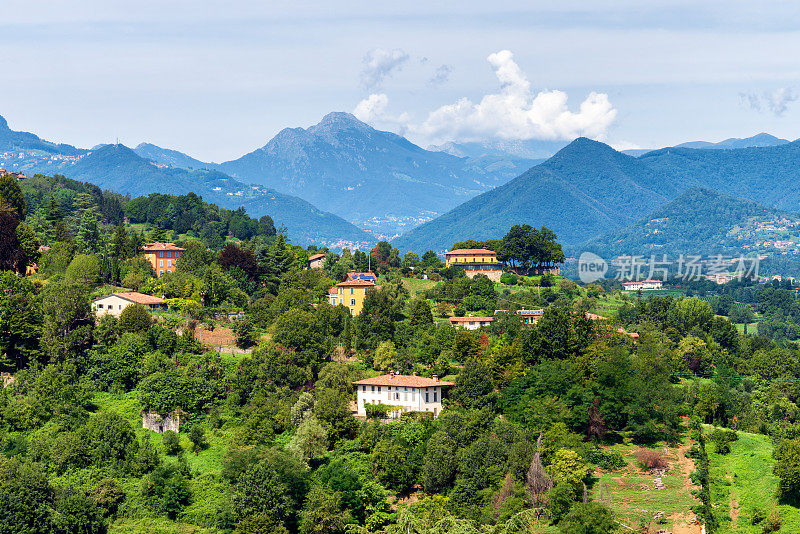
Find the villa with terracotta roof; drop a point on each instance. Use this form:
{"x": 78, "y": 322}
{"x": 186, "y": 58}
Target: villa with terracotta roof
{"x": 410, "y": 393}
{"x": 315, "y": 261}
{"x": 470, "y": 323}
{"x": 162, "y": 256}
{"x": 644, "y": 285}
{"x": 353, "y": 291}
{"x": 116, "y": 302}
{"x": 475, "y": 261}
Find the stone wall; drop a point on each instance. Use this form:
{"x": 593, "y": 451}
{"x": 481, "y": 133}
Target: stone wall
{"x": 494, "y": 276}
{"x": 158, "y": 423}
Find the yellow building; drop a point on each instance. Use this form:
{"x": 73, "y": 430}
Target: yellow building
{"x": 461, "y": 256}
{"x": 351, "y": 293}
{"x": 163, "y": 256}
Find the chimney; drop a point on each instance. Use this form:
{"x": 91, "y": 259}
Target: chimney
{"x": 391, "y": 375}
{"x": 414, "y": 373}
{"x": 435, "y": 378}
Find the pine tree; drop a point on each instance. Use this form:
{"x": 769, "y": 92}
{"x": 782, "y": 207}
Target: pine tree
{"x": 88, "y": 238}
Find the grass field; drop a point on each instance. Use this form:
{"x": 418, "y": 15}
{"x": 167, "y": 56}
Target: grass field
{"x": 630, "y": 492}
{"x": 742, "y": 482}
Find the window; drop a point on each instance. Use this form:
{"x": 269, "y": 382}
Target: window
{"x": 161, "y": 264}
{"x": 99, "y": 306}
{"x": 373, "y": 388}
{"x": 427, "y": 399}
{"x": 363, "y": 388}
{"x": 434, "y": 396}
{"x": 169, "y": 263}
{"x": 352, "y": 291}
{"x": 161, "y": 254}
{"x": 352, "y": 302}
{"x": 379, "y": 389}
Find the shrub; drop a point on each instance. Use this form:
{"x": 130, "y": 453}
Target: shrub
{"x": 722, "y": 440}
{"x": 607, "y": 460}
{"x": 757, "y": 516}
{"x": 198, "y": 438}
{"x": 171, "y": 441}
{"x": 650, "y": 459}
{"x": 772, "y": 523}
{"x": 135, "y": 318}
{"x": 509, "y": 279}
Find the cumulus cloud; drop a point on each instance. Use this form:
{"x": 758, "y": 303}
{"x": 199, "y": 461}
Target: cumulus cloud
{"x": 379, "y": 63}
{"x": 373, "y": 110}
{"x": 442, "y": 75}
{"x": 514, "y": 112}
{"x": 776, "y": 102}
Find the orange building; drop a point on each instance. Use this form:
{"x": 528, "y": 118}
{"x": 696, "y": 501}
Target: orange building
{"x": 162, "y": 256}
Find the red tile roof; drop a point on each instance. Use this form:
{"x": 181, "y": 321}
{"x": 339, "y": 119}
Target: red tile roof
{"x": 471, "y": 319}
{"x": 149, "y": 247}
{"x": 333, "y": 291}
{"x": 316, "y": 257}
{"x": 356, "y": 283}
{"x": 402, "y": 380}
{"x": 138, "y": 298}
{"x": 471, "y": 251}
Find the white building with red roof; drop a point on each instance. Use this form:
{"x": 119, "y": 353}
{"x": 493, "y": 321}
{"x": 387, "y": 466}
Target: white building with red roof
{"x": 410, "y": 393}
{"x": 644, "y": 285}
{"x": 116, "y": 302}
{"x": 471, "y": 323}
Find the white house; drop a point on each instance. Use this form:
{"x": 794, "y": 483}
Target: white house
{"x": 410, "y": 393}
{"x": 470, "y": 323}
{"x": 644, "y": 285}
{"x": 116, "y": 302}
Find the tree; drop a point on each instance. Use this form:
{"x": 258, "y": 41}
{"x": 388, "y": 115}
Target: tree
{"x": 472, "y": 388}
{"x": 537, "y": 480}
{"x": 588, "y": 518}
{"x": 84, "y": 269}
{"x": 233, "y": 256}
{"x": 568, "y": 468}
{"x": 68, "y": 321}
{"x": 75, "y": 512}
{"x": 322, "y": 513}
{"x": 385, "y": 356}
{"x": 11, "y": 257}
{"x": 787, "y": 468}
{"x": 309, "y": 441}
{"x": 245, "y": 335}
{"x": 171, "y": 442}
{"x": 410, "y": 260}
{"x": 26, "y": 499}
{"x": 28, "y": 244}
{"x": 20, "y": 322}
{"x": 440, "y": 464}
{"x": 88, "y": 236}
{"x": 431, "y": 259}
{"x": 420, "y": 313}
{"x": 12, "y": 195}
{"x": 135, "y": 319}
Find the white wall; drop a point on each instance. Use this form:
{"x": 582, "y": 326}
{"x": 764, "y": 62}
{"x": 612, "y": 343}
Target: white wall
{"x": 111, "y": 304}
{"x": 410, "y": 398}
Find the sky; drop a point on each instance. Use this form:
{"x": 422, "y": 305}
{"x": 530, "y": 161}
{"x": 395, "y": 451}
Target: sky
{"x": 218, "y": 79}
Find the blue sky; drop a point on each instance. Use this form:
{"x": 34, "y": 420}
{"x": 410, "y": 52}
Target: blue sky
{"x": 218, "y": 79}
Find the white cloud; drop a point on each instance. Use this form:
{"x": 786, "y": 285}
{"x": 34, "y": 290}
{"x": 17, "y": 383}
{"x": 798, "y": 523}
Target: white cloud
{"x": 777, "y": 101}
{"x": 442, "y": 75}
{"x": 514, "y": 112}
{"x": 379, "y": 63}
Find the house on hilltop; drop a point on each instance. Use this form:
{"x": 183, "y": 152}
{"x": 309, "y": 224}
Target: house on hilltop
{"x": 315, "y": 261}
{"x": 116, "y": 302}
{"x": 353, "y": 291}
{"x": 475, "y": 261}
{"x": 409, "y": 393}
{"x": 163, "y": 256}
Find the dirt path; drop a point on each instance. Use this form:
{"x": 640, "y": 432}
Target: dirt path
{"x": 685, "y": 523}
{"x": 734, "y": 503}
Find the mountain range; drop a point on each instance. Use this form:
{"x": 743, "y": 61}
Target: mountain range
{"x": 119, "y": 168}
{"x": 588, "y": 190}
{"x": 377, "y": 180}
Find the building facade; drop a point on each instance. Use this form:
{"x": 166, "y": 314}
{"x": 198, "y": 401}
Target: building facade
{"x": 163, "y": 256}
{"x": 116, "y": 302}
{"x": 470, "y": 323}
{"x": 644, "y": 285}
{"x": 315, "y": 261}
{"x": 409, "y": 393}
{"x": 475, "y": 261}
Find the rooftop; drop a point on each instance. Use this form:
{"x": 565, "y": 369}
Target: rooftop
{"x": 133, "y": 296}
{"x": 478, "y": 251}
{"x": 315, "y": 257}
{"x": 402, "y": 380}
{"x": 356, "y": 283}
{"x": 161, "y": 246}
{"x": 352, "y": 275}
{"x": 471, "y": 319}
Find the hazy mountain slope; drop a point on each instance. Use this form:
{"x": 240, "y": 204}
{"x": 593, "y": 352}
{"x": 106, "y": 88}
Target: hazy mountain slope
{"x": 119, "y": 168}
{"x": 378, "y": 180}
{"x": 700, "y": 221}
{"x": 12, "y": 141}
{"x": 586, "y": 189}
{"x": 758, "y": 140}
{"x": 171, "y": 158}
{"x": 767, "y": 175}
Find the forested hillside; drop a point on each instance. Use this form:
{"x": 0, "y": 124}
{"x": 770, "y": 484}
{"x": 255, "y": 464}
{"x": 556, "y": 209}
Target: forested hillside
{"x": 248, "y": 353}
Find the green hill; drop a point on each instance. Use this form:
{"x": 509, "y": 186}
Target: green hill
{"x": 586, "y": 189}
{"x": 702, "y": 221}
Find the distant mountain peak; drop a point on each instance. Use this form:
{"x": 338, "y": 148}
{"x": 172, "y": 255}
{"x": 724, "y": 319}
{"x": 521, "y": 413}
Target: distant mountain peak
{"x": 339, "y": 120}
{"x": 3, "y": 123}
